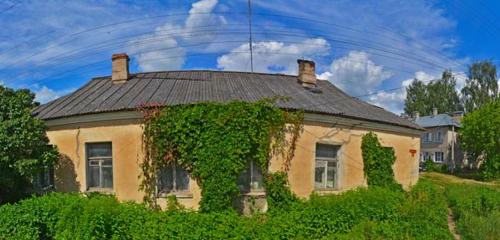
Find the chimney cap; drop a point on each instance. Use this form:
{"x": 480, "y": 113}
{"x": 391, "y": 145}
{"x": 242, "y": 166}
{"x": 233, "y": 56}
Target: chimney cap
{"x": 299, "y": 61}
{"x": 119, "y": 55}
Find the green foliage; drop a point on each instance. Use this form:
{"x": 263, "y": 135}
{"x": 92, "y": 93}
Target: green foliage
{"x": 378, "y": 162}
{"x": 214, "y": 143}
{"x": 24, "y": 146}
{"x": 480, "y": 138}
{"x": 429, "y": 165}
{"x": 279, "y": 195}
{"x": 374, "y": 213}
{"x": 481, "y": 85}
{"x": 440, "y": 94}
{"x": 476, "y": 210}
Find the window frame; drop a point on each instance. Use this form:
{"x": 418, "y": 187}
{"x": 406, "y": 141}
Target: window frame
{"x": 174, "y": 190}
{"x": 436, "y": 157}
{"x": 100, "y": 160}
{"x": 253, "y": 169}
{"x": 325, "y": 161}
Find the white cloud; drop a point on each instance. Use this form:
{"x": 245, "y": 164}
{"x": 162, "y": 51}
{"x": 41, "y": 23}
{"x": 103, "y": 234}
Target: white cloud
{"x": 44, "y": 94}
{"x": 164, "y": 50}
{"x": 356, "y": 73}
{"x": 273, "y": 56}
{"x": 394, "y": 100}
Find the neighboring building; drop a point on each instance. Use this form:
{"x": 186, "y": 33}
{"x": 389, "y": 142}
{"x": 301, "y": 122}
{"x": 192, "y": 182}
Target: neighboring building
{"x": 98, "y": 130}
{"x": 439, "y": 142}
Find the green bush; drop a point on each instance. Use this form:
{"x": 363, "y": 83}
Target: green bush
{"x": 374, "y": 213}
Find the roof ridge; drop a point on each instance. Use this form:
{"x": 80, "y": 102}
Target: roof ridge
{"x": 207, "y": 70}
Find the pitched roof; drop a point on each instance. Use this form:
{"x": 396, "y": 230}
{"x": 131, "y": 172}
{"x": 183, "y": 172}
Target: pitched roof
{"x": 437, "y": 121}
{"x": 184, "y": 87}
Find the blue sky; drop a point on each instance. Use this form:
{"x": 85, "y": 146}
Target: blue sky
{"x": 364, "y": 47}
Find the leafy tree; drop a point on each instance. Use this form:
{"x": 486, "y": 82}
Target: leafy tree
{"x": 441, "y": 94}
{"x": 24, "y": 148}
{"x": 481, "y": 85}
{"x": 480, "y": 138}
{"x": 416, "y": 98}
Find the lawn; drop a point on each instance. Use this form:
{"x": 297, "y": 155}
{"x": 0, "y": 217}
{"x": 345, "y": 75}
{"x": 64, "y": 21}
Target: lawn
{"x": 374, "y": 213}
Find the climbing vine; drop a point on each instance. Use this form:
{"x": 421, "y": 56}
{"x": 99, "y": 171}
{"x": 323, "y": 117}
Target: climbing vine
{"x": 214, "y": 142}
{"x": 378, "y": 162}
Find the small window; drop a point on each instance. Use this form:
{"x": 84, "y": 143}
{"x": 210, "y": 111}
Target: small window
{"x": 173, "y": 178}
{"x": 326, "y": 169}
{"x": 251, "y": 179}
{"x": 439, "y": 137}
{"x": 45, "y": 179}
{"x": 99, "y": 166}
{"x": 438, "y": 157}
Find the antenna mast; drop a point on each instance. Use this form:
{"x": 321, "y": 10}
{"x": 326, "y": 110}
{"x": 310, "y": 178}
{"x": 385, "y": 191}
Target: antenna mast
{"x": 250, "y": 33}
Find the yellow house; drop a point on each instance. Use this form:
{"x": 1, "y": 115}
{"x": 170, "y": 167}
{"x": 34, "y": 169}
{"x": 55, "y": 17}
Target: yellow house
{"x": 98, "y": 130}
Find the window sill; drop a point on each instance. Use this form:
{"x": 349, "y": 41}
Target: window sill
{"x": 327, "y": 191}
{"x": 101, "y": 190}
{"x": 254, "y": 193}
{"x": 181, "y": 195}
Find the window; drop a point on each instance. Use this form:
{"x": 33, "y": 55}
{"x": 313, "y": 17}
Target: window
{"x": 99, "y": 166}
{"x": 173, "y": 178}
{"x": 45, "y": 178}
{"x": 325, "y": 174}
{"x": 438, "y": 156}
{"x": 427, "y": 156}
{"x": 251, "y": 179}
{"x": 439, "y": 137}
{"x": 428, "y": 137}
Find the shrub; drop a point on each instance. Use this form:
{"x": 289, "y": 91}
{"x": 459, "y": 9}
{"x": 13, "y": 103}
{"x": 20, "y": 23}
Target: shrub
{"x": 366, "y": 213}
{"x": 279, "y": 195}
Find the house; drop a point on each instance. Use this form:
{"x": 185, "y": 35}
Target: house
{"x": 98, "y": 130}
{"x": 439, "y": 142}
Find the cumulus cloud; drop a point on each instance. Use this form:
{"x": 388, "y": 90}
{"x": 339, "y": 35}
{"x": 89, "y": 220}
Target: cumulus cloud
{"x": 273, "y": 56}
{"x": 394, "y": 100}
{"x": 356, "y": 73}
{"x": 44, "y": 94}
{"x": 164, "y": 51}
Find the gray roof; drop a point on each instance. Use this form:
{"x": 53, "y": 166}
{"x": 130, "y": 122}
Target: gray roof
{"x": 185, "y": 87}
{"x": 440, "y": 120}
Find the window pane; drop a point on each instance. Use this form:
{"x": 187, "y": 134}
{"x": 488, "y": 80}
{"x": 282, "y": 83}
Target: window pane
{"x": 107, "y": 162}
{"x": 326, "y": 151}
{"x": 256, "y": 181}
{"x": 330, "y": 175}
{"x": 181, "y": 179}
{"x": 99, "y": 149}
{"x": 166, "y": 180}
{"x": 93, "y": 176}
{"x": 244, "y": 179}
{"x": 107, "y": 177}
{"x": 319, "y": 174}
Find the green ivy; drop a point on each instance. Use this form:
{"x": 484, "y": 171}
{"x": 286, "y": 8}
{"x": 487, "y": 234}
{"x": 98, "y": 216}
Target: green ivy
{"x": 378, "y": 162}
{"x": 214, "y": 142}
{"x": 279, "y": 195}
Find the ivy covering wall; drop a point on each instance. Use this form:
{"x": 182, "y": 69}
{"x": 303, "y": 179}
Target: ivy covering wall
{"x": 214, "y": 142}
{"x": 378, "y": 162}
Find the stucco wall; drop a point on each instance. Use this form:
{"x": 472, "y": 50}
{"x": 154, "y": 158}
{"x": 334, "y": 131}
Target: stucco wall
{"x": 126, "y": 143}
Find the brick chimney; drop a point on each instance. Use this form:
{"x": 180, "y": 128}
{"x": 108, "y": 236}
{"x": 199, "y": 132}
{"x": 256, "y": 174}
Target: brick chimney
{"x": 434, "y": 111}
{"x": 307, "y": 73}
{"x": 119, "y": 67}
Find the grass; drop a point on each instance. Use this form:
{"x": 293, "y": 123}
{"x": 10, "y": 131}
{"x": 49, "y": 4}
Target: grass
{"x": 475, "y": 205}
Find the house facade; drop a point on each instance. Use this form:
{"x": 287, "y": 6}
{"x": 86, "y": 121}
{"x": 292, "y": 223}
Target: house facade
{"x": 98, "y": 131}
{"x": 439, "y": 142}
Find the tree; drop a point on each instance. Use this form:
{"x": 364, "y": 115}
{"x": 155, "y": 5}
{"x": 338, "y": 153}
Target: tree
{"x": 416, "y": 98}
{"x": 480, "y": 138}
{"x": 440, "y": 94}
{"x": 481, "y": 85}
{"x": 24, "y": 148}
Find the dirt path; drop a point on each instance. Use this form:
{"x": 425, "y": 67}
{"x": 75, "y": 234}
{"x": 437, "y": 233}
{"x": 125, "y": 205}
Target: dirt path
{"x": 452, "y": 226}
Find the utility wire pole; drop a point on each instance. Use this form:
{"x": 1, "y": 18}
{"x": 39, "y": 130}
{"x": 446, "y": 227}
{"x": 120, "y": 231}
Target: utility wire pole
{"x": 250, "y": 33}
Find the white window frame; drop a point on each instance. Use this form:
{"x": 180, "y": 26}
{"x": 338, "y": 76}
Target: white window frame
{"x": 324, "y": 161}
{"x": 253, "y": 168}
{"x": 436, "y": 154}
{"x": 100, "y": 160}
{"x": 174, "y": 182}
